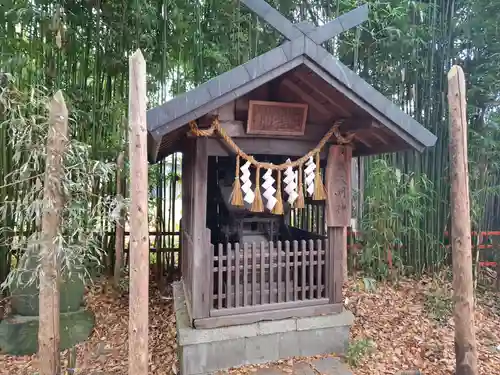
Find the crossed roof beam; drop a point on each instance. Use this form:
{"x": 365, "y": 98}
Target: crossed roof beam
{"x": 319, "y": 34}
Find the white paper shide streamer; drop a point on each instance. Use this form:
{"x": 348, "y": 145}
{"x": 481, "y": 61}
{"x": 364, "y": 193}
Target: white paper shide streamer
{"x": 290, "y": 182}
{"x": 269, "y": 189}
{"x": 246, "y": 184}
{"x": 309, "y": 173}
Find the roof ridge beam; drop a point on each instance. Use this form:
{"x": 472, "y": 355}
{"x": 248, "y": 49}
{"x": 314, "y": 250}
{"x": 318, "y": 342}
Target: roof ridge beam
{"x": 340, "y": 24}
{"x": 274, "y": 18}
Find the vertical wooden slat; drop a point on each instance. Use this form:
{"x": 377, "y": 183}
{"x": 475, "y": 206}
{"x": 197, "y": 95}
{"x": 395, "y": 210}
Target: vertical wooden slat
{"x": 229, "y": 257}
{"x": 303, "y": 264}
{"x": 287, "y": 271}
{"x": 302, "y": 217}
{"x": 313, "y": 208}
{"x": 328, "y": 268}
{"x": 311, "y": 269}
{"x": 271, "y": 271}
{"x": 262, "y": 272}
{"x": 310, "y": 218}
{"x": 322, "y": 220}
{"x": 295, "y": 270}
{"x": 319, "y": 280}
{"x": 211, "y": 294}
{"x": 245, "y": 274}
{"x": 254, "y": 274}
{"x": 317, "y": 219}
{"x": 280, "y": 278}
{"x": 237, "y": 275}
{"x": 306, "y": 218}
{"x": 219, "y": 275}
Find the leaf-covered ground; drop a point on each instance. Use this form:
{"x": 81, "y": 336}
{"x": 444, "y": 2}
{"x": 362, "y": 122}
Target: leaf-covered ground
{"x": 403, "y": 326}
{"x": 412, "y": 328}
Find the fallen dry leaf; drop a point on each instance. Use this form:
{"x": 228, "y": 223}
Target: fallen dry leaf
{"x": 392, "y": 316}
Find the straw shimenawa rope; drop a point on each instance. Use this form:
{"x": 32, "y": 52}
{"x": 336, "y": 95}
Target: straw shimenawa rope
{"x": 215, "y": 127}
{"x": 257, "y": 204}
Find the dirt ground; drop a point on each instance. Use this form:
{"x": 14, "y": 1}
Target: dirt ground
{"x": 399, "y": 326}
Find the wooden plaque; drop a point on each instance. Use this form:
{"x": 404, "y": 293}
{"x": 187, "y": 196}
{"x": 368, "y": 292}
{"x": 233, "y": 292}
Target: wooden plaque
{"x": 338, "y": 186}
{"x": 276, "y": 118}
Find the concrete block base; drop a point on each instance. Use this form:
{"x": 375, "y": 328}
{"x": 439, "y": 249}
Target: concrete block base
{"x": 205, "y": 351}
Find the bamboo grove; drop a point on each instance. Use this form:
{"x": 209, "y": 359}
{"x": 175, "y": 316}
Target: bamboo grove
{"x": 405, "y": 50}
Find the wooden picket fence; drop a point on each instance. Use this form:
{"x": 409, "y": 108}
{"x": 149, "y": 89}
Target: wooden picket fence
{"x": 269, "y": 275}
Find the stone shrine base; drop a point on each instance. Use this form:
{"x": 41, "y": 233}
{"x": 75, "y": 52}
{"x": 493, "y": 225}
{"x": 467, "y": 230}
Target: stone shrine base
{"x": 205, "y": 351}
{"x": 19, "y": 334}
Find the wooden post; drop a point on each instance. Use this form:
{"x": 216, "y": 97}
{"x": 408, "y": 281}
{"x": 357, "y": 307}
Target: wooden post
{"x": 201, "y": 241}
{"x": 187, "y": 219}
{"x": 139, "y": 231}
{"x": 465, "y": 340}
{"x": 120, "y": 226}
{"x": 49, "y": 331}
{"x": 338, "y": 216}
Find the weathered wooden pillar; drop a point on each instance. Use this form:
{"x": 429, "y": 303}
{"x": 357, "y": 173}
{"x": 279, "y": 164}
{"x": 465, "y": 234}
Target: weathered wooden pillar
{"x": 49, "y": 331}
{"x": 461, "y": 247}
{"x": 139, "y": 228}
{"x": 338, "y": 216}
{"x": 201, "y": 272}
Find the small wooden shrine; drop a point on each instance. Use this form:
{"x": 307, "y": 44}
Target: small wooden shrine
{"x": 266, "y": 197}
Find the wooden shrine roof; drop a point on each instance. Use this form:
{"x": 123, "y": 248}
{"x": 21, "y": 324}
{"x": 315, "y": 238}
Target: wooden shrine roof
{"x": 311, "y": 73}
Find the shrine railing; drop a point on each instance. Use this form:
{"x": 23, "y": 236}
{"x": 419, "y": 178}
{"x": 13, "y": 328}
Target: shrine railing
{"x": 268, "y": 276}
